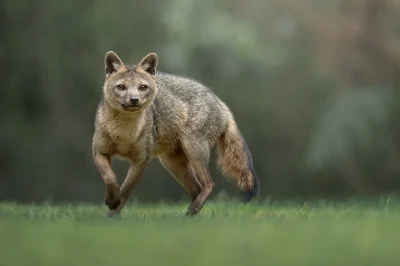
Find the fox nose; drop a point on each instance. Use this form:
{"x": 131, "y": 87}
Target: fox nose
{"x": 134, "y": 100}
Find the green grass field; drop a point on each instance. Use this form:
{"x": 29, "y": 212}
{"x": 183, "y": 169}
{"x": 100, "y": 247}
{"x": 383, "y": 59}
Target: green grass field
{"x": 225, "y": 233}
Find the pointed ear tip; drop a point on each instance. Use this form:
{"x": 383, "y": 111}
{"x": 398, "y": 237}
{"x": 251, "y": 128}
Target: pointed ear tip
{"x": 110, "y": 53}
{"x": 154, "y": 55}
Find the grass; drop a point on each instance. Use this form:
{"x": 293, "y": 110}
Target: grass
{"x": 225, "y": 233}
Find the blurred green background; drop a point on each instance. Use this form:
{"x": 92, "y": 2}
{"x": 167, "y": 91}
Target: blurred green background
{"x": 314, "y": 87}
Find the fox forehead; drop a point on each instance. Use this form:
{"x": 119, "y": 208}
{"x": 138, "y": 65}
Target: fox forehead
{"x": 130, "y": 77}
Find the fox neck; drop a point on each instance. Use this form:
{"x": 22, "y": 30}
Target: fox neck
{"x": 123, "y": 123}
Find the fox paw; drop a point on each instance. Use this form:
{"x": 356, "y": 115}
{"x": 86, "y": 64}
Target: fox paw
{"x": 113, "y": 199}
{"x": 113, "y": 203}
{"x": 194, "y": 209}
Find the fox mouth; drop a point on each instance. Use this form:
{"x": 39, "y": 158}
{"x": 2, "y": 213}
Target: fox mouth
{"x": 130, "y": 107}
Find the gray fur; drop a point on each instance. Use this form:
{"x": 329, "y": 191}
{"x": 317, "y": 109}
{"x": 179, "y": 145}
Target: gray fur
{"x": 178, "y": 120}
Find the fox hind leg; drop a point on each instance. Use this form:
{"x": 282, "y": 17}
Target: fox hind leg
{"x": 178, "y": 166}
{"x": 207, "y": 183}
{"x": 198, "y": 154}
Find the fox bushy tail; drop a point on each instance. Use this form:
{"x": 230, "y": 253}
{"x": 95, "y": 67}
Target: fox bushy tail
{"x": 235, "y": 161}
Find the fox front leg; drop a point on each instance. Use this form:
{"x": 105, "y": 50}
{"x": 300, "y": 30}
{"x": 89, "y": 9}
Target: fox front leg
{"x": 112, "y": 195}
{"x": 133, "y": 176}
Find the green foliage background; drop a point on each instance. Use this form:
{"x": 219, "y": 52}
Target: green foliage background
{"x": 312, "y": 133}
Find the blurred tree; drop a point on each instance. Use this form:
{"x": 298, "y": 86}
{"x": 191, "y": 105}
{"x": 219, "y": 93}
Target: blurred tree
{"x": 359, "y": 54}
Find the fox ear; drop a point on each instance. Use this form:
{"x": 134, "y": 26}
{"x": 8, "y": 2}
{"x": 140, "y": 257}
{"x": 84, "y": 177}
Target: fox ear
{"x": 112, "y": 63}
{"x": 149, "y": 63}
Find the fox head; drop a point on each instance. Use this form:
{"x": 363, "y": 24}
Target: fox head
{"x": 129, "y": 88}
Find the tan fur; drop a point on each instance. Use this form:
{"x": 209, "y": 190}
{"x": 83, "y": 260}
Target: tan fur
{"x": 230, "y": 157}
{"x": 175, "y": 119}
{"x": 179, "y": 167}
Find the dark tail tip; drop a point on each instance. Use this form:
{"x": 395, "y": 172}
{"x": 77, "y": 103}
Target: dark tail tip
{"x": 250, "y": 194}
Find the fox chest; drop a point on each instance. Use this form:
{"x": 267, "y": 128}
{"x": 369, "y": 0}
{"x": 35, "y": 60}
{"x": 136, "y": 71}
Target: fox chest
{"x": 128, "y": 146}
{"x": 125, "y": 148}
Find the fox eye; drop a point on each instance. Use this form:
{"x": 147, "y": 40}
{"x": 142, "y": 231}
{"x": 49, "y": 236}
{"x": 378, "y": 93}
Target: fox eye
{"x": 143, "y": 87}
{"x": 121, "y": 87}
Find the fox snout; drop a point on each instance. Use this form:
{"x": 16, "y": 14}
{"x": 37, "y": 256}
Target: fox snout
{"x": 134, "y": 100}
{"x": 131, "y": 102}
